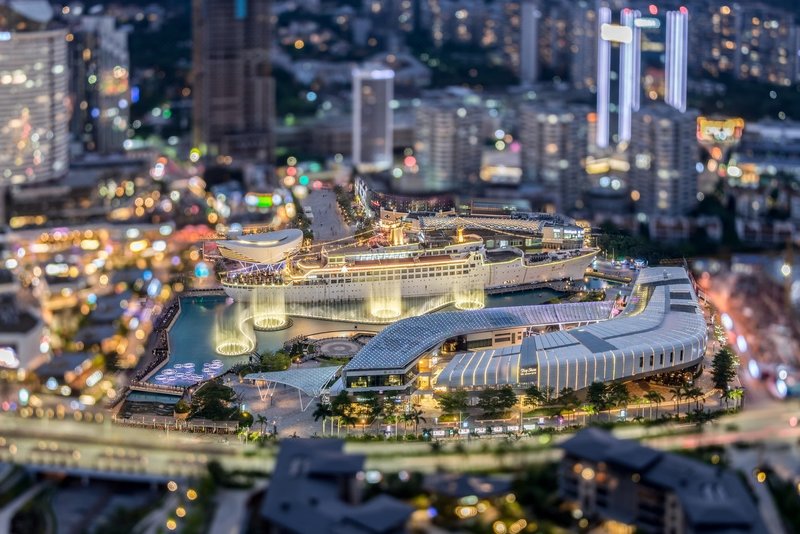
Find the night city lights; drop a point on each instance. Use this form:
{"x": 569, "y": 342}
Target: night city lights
{"x": 399, "y": 266}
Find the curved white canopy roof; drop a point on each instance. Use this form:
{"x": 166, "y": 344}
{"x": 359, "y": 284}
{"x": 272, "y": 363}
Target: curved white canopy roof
{"x": 267, "y": 248}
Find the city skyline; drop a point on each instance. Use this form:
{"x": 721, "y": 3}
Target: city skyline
{"x": 388, "y": 266}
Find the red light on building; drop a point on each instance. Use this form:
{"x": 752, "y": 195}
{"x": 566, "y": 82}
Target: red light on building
{"x": 653, "y": 9}
{"x": 684, "y": 10}
{"x": 291, "y": 171}
{"x": 410, "y": 161}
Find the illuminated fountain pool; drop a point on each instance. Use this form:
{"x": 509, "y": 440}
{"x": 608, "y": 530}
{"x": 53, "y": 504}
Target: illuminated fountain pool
{"x": 194, "y": 337}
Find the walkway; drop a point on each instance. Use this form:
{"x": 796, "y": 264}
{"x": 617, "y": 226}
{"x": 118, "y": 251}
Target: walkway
{"x": 328, "y": 224}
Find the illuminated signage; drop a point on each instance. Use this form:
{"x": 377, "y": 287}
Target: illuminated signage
{"x": 616, "y": 33}
{"x": 528, "y": 371}
{"x": 647, "y": 23}
{"x": 719, "y": 131}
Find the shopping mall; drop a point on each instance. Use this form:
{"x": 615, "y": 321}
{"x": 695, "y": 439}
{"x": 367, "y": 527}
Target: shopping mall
{"x": 657, "y": 328}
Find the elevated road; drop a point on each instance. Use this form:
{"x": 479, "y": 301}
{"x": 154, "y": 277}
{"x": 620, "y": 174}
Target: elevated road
{"x": 126, "y": 453}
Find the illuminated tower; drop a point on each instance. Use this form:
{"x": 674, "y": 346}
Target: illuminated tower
{"x": 629, "y": 74}
{"x": 628, "y": 34}
{"x": 233, "y": 92}
{"x": 373, "y": 91}
{"x": 603, "y": 79}
{"x": 34, "y": 121}
{"x": 677, "y": 57}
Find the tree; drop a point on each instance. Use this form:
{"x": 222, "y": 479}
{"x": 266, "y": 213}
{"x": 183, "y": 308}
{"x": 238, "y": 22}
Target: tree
{"x": 618, "y": 394}
{"x": 548, "y": 393}
{"x": 567, "y": 396}
{"x": 597, "y": 396}
{"x": 340, "y": 405}
{"x": 677, "y": 395}
{"x": 274, "y": 361}
{"x": 453, "y": 402}
{"x": 534, "y": 396}
{"x": 322, "y": 411}
{"x": 723, "y": 367}
{"x": 588, "y": 409}
{"x": 373, "y": 404}
{"x": 694, "y": 393}
{"x": 496, "y": 401}
{"x": 654, "y": 397}
{"x": 215, "y": 401}
{"x": 262, "y": 422}
{"x": 415, "y": 415}
{"x": 737, "y": 395}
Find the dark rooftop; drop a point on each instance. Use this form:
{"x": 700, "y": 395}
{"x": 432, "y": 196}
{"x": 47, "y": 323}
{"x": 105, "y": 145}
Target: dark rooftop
{"x": 306, "y": 493}
{"x": 713, "y": 499}
{"x": 60, "y": 365}
{"x": 13, "y": 319}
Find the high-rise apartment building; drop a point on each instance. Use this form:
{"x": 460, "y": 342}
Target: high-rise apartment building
{"x": 750, "y": 40}
{"x": 233, "y": 93}
{"x": 448, "y": 143}
{"x": 34, "y": 121}
{"x": 583, "y": 46}
{"x": 663, "y": 155}
{"x": 554, "y": 138}
{"x": 373, "y": 91}
{"x": 99, "y": 87}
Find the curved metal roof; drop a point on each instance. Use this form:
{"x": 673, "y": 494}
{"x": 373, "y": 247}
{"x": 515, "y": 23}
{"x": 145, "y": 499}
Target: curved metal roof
{"x": 398, "y": 345}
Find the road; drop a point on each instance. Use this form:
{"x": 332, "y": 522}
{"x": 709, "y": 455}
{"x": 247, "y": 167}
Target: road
{"x": 139, "y": 453}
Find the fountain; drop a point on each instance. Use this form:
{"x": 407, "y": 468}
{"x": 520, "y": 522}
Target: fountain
{"x": 385, "y": 299}
{"x": 233, "y": 331}
{"x": 269, "y": 309}
{"x": 469, "y": 294}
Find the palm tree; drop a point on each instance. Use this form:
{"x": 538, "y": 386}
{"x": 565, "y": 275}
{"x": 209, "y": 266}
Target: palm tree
{"x": 677, "y": 395}
{"x": 656, "y": 398}
{"x": 415, "y": 416}
{"x": 322, "y": 411}
{"x": 262, "y": 422}
{"x": 349, "y": 419}
{"x": 694, "y": 393}
{"x": 725, "y": 395}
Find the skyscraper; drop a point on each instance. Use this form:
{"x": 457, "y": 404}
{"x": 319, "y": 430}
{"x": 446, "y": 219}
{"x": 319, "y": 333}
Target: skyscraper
{"x": 233, "y": 93}
{"x": 554, "y": 140}
{"x": 34, "y": 137}
{"x": 99, "y": 88}
{"x": 448, "y": 144}
{"x": 373, "y": 91}
{"x": 663, "y": 153}
{"x": 529, "y": 50}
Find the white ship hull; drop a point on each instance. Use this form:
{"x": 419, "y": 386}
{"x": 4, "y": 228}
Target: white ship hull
{"x": 488, "y": 276}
